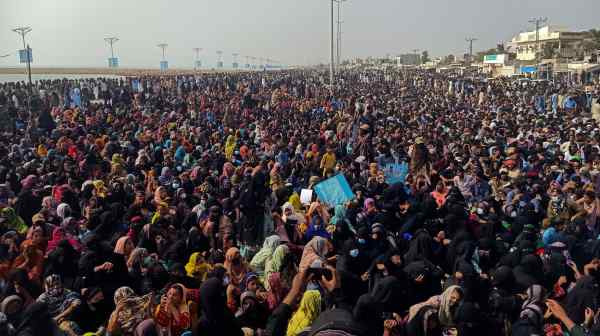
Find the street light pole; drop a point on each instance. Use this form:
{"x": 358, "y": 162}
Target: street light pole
{"x": 416, "y": 53}
{"x": 331, "y": 60}
{"x": 339, "y": 31}
{"x": 197, "y": 51}
{"x": 471, "y": 40}
{"x": 537, "y": 22}
{"x": 163, "y": 46}
{"x": 111, "y": 41}
{"x": 235, "y": 62}
{"x": 219, "y": 59}
{"x": 23, "y": 31}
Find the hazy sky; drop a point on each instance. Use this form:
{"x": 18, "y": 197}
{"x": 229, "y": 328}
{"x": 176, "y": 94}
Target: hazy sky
{"x": 71, "y": 32}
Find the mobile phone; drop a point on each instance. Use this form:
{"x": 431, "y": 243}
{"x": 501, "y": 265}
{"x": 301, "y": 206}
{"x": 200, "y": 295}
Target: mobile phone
{"x": 320, "y": 273}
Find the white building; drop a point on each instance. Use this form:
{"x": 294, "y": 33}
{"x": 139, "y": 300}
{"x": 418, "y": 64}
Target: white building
{"x": 563, "y": 41}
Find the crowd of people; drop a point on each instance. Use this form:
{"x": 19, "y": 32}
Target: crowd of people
{"x": 170, "y": 205}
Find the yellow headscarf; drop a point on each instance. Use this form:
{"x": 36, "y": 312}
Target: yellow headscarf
{"x": 193, "y": 269}
{"x": 230, "y": 146}
{"x": 309, "y": 309}
{"x": 100, "y": 188}
{"x": 157, "y": 215}
{"x": 42, "y": 151}
{"x": 117, "y": 159}
{"x": 295, "y": 201}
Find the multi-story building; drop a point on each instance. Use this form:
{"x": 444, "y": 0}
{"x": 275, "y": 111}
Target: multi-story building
{"x": 564, "y": 43}
{"x": 408, "y": 59}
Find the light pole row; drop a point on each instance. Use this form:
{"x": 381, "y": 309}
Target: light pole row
{"x": 22, "y": 31}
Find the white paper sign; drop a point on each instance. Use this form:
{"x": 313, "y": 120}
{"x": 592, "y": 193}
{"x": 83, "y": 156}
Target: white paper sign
{"x": 306, "y": 196}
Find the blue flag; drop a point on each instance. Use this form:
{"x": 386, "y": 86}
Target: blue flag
{"x": 334, "y": 191}
{"x": 395, "y": 172}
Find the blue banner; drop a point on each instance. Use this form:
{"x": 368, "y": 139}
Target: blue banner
{"x": 113, "y": 62}
{"x": 75, "y": 97}
{"x": 395, "y": 172}
{"x": 164, "y": 65}
{"x": 334, "y": 191}
{"x": 23, "y": 56}
{"x": 528, "y": 69}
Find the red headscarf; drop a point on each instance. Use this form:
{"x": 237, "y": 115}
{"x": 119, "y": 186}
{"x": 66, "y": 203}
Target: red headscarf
{"x": 59, "y": 235}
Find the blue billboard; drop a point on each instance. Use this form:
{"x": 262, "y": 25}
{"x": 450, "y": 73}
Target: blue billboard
{"x": 164, "y": 65}
{"x": 528, "y": 69}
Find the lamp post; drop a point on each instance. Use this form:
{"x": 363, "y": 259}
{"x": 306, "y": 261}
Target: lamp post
{"x": 23, "y": 31}
{"x": 219, "y": 59}
{"x": 111, "y": 41}
{"x": 339, "y": 31}
{"x": 197, "y": 64}
{"x": 538, "y": 54}
{"x": 470, "y": 40}
{"x": 163, "y": 46}
{"x": 417, "y": 56}
{"x": 164, "y": 64}
{"x": 331, "y": 60}
{"x": 234, "y": 64}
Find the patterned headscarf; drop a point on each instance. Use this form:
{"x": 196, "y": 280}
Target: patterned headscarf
{"x": 56, "y": 296}
{"x": 134, "y": 309}
{"x": 123, "y": 293}
{"x": 53, "y": 285}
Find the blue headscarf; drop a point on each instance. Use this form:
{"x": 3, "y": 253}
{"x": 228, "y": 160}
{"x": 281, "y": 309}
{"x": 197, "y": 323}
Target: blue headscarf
{"x": 179, "y": 154}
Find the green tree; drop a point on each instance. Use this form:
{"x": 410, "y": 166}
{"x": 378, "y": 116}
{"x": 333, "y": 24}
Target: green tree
{"x": 449, "y": 59}
{"x": 480, "y": 55}
{"x": 424, "y": 56}
{"x": 500, "y": 48}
